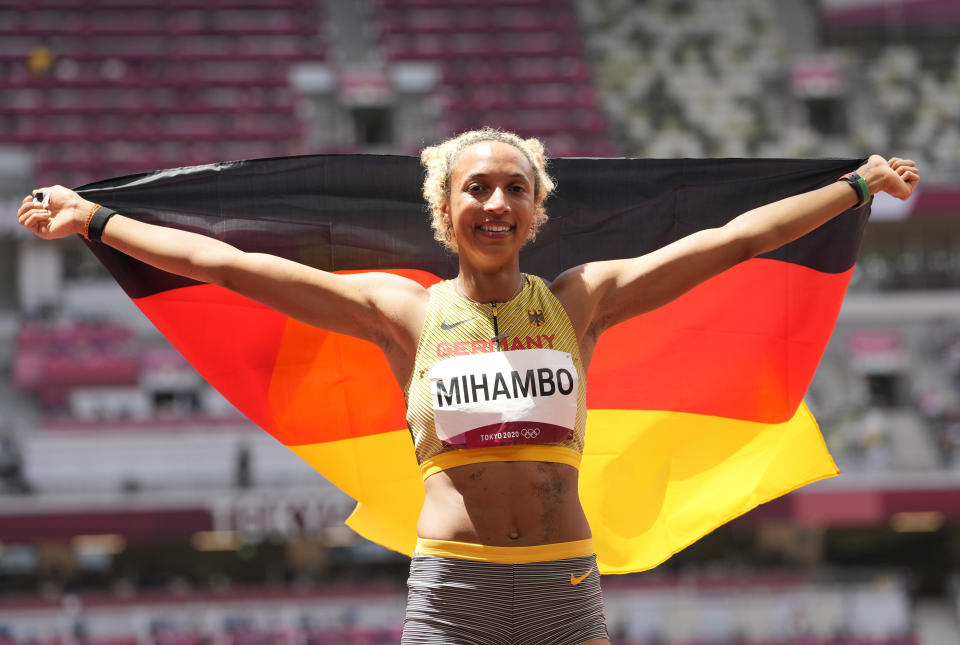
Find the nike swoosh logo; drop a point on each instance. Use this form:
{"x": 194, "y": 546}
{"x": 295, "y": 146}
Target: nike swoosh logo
{"x": 445, "y": 326}
{"x": 575, "y": 580}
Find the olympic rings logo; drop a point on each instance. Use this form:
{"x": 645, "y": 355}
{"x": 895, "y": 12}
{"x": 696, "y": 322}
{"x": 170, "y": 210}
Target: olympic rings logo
{"x": 530, "y": 433}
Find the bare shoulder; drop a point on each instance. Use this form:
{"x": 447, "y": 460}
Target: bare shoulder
{"x": 402, "y": 300}
{"x": 574, "y": 289}
{"x": 399, "y": 306}
{"x": 590, "y": 293}
{"x": 382, "y": 281}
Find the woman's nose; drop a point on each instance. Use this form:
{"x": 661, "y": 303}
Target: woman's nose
{"x": 497, "y": 202}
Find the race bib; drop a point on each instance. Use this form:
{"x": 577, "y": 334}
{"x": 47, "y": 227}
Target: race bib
{"x": 503, "y": 398}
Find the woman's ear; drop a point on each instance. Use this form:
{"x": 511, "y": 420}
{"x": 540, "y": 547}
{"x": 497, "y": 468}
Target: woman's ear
{"x": 446, "y": 219}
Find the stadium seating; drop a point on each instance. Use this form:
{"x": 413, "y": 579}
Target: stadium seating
{"x": 132, "y": 86}
{"x": 709, "y": 79}
{"x": 518, "y": 65}
{"x": 750, "y": 610}
{"x": 360, "y": 636}
{"x": 128, "y": 86}
{"x": 50, "y": 360}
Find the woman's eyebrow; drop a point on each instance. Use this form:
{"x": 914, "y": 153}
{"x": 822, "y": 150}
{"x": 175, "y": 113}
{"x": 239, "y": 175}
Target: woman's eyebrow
{"x": 483, "y": 175}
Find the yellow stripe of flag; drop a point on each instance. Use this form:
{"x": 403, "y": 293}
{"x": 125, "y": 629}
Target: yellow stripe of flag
{"x": 651, "y": 482}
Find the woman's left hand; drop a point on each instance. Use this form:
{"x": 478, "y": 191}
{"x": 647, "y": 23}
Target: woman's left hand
{"x": 64, "y": 213}
{"x": 896, "y": 177}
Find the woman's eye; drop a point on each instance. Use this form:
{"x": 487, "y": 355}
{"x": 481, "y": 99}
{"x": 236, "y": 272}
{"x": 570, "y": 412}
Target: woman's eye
{"x": 474, "y": 188}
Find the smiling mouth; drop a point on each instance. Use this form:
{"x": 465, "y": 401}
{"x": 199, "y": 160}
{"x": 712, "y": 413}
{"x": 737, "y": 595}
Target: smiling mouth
{"x": 491, "y": 227}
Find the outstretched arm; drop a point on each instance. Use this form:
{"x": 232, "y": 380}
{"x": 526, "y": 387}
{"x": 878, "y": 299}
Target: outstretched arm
{"x": 601, "y": 294}
{"x": 382, "y": 308}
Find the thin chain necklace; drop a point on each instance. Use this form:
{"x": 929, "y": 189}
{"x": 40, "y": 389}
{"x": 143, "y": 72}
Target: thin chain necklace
{"x": 494, "y": 313}
{"x": 460, "y": 290}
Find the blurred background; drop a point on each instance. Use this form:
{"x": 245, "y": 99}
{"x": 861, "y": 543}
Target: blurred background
{"x": 138, "y": 507}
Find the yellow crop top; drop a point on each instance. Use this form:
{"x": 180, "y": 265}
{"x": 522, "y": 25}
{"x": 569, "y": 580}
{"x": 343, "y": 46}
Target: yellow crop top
{"x": 496, "y": 381}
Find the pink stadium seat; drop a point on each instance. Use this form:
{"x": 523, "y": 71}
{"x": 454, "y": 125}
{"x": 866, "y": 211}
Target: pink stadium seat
{"x": 192, "y": 57}
{"x": 482, "y": 51}
{"x": 151, "y": 61}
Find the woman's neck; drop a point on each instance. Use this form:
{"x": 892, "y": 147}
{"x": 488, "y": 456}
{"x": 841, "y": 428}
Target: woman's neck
{"x": 498, "y": 286}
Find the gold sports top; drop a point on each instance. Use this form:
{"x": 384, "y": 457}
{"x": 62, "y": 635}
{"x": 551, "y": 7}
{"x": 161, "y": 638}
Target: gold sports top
{"x": 496, "y": 381}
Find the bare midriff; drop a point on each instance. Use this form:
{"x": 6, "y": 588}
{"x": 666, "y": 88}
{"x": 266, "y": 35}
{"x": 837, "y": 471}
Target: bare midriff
{"x": 504, "y": 503}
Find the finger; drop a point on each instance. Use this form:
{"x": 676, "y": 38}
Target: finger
{"x": 903, "y": 163}
{"x": 35, "y": 220}
{"x": 33, "y": 215}
{"x": 26, "y": 213}
{"x": 902, "y": 170}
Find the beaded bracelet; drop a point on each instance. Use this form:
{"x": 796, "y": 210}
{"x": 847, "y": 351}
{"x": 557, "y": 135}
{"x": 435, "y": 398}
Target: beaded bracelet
{"x": 86, "y": 224}
{"x": 98, "y": 222}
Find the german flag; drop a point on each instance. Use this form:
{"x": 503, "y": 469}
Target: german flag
{"x": 696, "y": 410}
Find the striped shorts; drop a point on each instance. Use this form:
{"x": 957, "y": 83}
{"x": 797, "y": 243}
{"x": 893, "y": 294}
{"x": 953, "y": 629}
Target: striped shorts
{"x": 463, "y": 602}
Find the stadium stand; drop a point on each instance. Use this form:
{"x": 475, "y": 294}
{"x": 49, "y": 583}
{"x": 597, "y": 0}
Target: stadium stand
{"x": 686, "y": 79}
{"x": 133, "y": 86}
{"x": 886, "y": 395}
{"x": 706, "y": 79}
{"x": 701, "y": 610}
{"x": 519, "y": 66}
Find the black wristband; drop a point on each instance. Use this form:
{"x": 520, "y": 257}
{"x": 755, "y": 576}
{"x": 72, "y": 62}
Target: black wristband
{"x": 859, "y": 185}
{"x": 98, "y": 222}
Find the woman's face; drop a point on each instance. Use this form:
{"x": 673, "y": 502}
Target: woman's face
{"x": 491, "y": 204}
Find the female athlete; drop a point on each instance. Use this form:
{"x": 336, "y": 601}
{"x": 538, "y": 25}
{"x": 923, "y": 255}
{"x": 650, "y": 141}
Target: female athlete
{"x": 497, "y": 411}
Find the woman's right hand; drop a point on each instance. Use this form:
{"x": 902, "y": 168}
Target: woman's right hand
{"x": 65, "y": 213}
{"x": 897, "y": 177}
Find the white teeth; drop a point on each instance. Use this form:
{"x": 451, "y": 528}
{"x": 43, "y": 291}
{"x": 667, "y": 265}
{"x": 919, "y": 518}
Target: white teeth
{"x": 495, "y": 228}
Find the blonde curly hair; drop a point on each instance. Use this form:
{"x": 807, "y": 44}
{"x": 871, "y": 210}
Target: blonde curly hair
{"x": 439, "y": 159}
